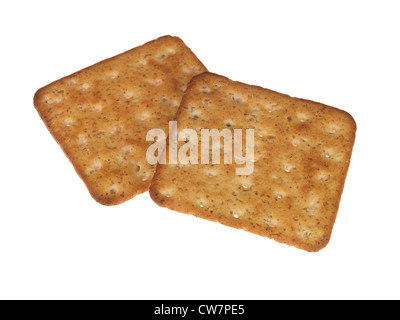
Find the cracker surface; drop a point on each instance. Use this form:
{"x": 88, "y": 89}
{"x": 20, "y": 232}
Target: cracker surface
{"x": 302, "y": 153}
{"x": 100, "y": 115}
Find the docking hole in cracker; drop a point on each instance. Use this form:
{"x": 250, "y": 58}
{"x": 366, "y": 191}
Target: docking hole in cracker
{"x": 100, "y": 115}
{"x": 302, "y": 153}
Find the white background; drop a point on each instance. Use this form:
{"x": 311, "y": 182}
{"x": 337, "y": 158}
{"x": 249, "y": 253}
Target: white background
{"x": 56, "y": 242}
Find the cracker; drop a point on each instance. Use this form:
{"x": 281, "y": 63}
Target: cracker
{"x": 302, "y": 152}
{"x": 100, "y": 115}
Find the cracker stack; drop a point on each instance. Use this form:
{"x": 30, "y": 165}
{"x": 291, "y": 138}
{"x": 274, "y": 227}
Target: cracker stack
{"x": 302, "y": 152}
{"x": 284, "y": 183}
{"x": 100, "y": 115}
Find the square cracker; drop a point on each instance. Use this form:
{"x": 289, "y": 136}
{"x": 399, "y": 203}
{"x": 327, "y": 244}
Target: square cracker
{"x": 302, "y": 152}
{"x": 100, "y": 115}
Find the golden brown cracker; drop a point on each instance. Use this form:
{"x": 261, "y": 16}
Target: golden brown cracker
{"x": 302, "y": 152}
{"x": 100, "y": 115}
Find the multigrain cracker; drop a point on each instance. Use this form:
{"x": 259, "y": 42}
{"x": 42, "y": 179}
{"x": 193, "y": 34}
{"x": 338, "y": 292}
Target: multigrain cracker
{"x": 302, "y": 152}
{"x": 100, "y": 115}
